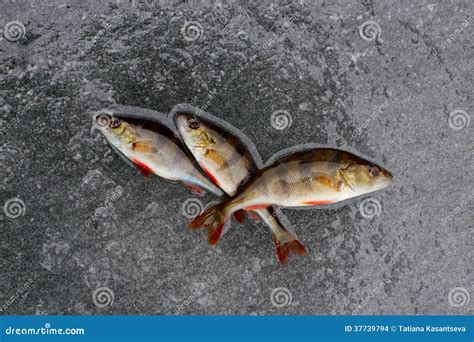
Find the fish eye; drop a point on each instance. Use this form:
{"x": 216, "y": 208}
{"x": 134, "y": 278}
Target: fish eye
{"x": 193, "y": 123}
{"x": 114, "y": 123}
{"x": 374, "y": 171}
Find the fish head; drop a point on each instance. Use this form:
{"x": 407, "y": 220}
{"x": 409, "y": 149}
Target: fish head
{"x": 197, "y": 135}
{"x": 363, "y": 177}
{"x": 116, "y": 129}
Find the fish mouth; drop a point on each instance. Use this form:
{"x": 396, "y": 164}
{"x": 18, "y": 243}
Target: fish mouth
{"x": 388, "y": 175}
{"x": 388, "y": 178}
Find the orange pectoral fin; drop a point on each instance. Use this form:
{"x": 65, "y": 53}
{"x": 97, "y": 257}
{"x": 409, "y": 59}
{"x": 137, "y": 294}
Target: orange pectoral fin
{"x": 142, "y": 167}
{"x": 194, "y": 188}
{"x": 316, "y": 202}
{"x": 143, "y": 146}
{"x": 328, "y": 182}
{"x": 258, "y": 206}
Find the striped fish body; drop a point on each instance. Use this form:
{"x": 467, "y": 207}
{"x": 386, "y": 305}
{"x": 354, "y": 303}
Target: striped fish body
{"x": 222, "y": 157}
{"x": 306, "y": 178}
{"x": 229, "y": 163}
{"x": 314, "y": 177}
{"x": 152, "y": 148}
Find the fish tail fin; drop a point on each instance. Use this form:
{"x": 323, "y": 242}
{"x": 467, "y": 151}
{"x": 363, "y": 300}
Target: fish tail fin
{"x": 239, "y": 216}
{"x": 286, "y": 244}
{"x": 213, "y": 219}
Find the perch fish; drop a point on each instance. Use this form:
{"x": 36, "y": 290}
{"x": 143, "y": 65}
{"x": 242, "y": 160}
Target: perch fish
{"x": 152, "y": 148}
{"x": 305, "y": 178}
{"x": 229, "y": 163}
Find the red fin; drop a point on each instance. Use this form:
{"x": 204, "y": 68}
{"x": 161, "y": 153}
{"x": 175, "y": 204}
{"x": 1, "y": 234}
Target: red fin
{"x": 143, "y": 168}
{"x": 286, "y": 248}
{"x": 317, "y": 202}
{"x": 239, "y": 216}
{"x": 194, "y": 188}
{"x": 253, "y": 215}
{"x": 213, "y": 219}
{"x": 211, "y": 176}
{"x": 257, "y": 206}
{"x": 213, "y": 235}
